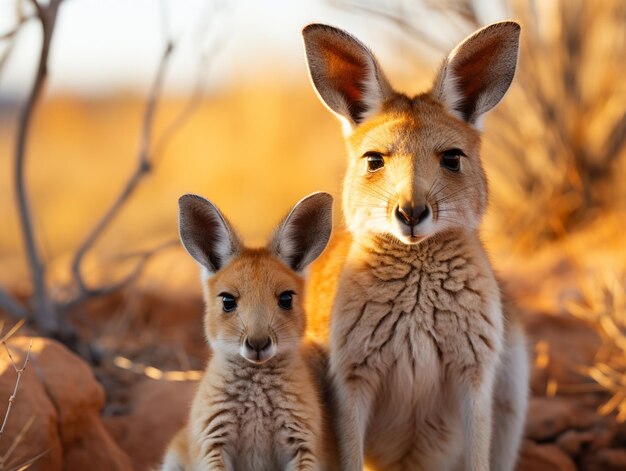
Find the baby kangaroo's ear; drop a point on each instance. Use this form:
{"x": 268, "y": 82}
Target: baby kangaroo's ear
{"x": 345, "y": 73}
{"x": 205, "y": 233}
{"x": 478, "y": 72}
{"x": 304, "y": 233}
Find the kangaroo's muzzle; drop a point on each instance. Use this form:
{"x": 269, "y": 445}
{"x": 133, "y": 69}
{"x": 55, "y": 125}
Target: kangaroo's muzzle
{"x": 258, "y": 349}
{"x": 411, "y": 215}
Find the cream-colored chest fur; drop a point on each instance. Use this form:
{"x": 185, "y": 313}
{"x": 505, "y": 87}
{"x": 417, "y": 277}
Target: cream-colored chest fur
{"x": 414, "y": 326}
{"x": 262, "y": 417}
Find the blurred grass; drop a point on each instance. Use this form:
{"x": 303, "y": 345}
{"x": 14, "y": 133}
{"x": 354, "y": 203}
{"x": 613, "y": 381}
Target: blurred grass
{"x": 253, "y": 151}
{"x": 553, "y": 152}
{"x": 558, "y": 142}
{"x": 603, "y": 305}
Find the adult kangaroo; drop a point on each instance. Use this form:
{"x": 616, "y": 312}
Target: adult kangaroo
{"x": 429, "y": 366}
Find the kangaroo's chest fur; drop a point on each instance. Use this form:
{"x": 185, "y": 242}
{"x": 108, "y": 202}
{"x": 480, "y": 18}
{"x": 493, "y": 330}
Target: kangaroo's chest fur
{"x": 259, "y": 416}
{"x": 412, "y": 327}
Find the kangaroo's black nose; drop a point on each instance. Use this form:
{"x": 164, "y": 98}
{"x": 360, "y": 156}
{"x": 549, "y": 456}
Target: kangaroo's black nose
{"x": 258, "y": 344}
{"x": 412, "y": 215}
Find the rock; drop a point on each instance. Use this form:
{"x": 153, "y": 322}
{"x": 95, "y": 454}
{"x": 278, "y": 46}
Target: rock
{"x": 61, "y": 400}
{"x": 620, "y": 435}
{"x": 571, "y": 342}
{"x": 158, "y": 410}
{"x": 534, "y": 457}
{"x": 586, "y": 415}
{"x": 607, "y": 459}
{"x": 589, "y": 431}
{"x": 547, "y": 418}
{"x": 574, "y": 442}
{"x": 604, "y": 434}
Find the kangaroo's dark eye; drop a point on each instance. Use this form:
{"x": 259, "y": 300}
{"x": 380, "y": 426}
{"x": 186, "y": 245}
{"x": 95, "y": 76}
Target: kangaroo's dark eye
{"x": 229, "y": 303}
{"x": 375, "y": 161}
{"x": 285, "y": 300}
{"x": 451, "y": 159}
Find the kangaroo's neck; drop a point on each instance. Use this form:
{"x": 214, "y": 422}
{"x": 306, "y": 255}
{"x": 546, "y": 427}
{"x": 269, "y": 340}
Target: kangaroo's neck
{"x": 235, "y": 366}
{"x": 390, "y": 259}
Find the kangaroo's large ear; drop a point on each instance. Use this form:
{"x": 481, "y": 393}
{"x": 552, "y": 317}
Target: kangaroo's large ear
{"x": 304, "y": 233}
{"x": 205, "y": 233}
{"x": 478, "y": 72}
{"x": 345, "y": 73}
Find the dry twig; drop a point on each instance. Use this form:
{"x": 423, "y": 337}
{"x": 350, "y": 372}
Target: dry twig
{"x": 18, "y": 371}
{"x": 15, "y": 443}
{"x": 143, "y": 257}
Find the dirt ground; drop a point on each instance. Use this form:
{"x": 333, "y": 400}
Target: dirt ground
{"x": 564, "y": 428}
{"x": 147, "y": 350}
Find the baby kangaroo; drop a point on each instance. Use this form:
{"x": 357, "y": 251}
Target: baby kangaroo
{"x": 430, "y": 370}
{"x": 258, "y": 406}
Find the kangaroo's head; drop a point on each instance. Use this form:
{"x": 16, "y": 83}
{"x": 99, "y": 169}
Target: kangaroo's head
{"x": 254, "y": 297}
{"x": 414, "y": 168}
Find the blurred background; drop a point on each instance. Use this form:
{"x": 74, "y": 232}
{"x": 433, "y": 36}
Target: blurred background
{"x": 147, "y": 100}
{"x": 237, "y": 121}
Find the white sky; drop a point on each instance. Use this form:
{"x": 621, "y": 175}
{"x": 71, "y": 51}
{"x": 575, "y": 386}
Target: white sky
{"x": 104, "y": 46}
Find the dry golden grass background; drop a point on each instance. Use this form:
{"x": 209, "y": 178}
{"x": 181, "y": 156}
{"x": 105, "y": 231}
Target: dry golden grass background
{"x": 254, "y": 152}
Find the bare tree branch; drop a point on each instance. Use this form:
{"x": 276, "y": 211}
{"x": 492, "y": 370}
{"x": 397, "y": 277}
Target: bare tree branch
{"x": 11, "y": 34}
{"x": 143, "y": 167}
{"x": 397, "y": 18}
{"x": 44, "y": 310}
{"x": 47, "y": 313}
{"x": 11, "y": 306}
{"x": 194, "y": 101}
{"x": 147, "y": 158}
{"x": 143, "y": 258}
{"x": 395, "y": 13}
{"x": 7, "y": 303}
